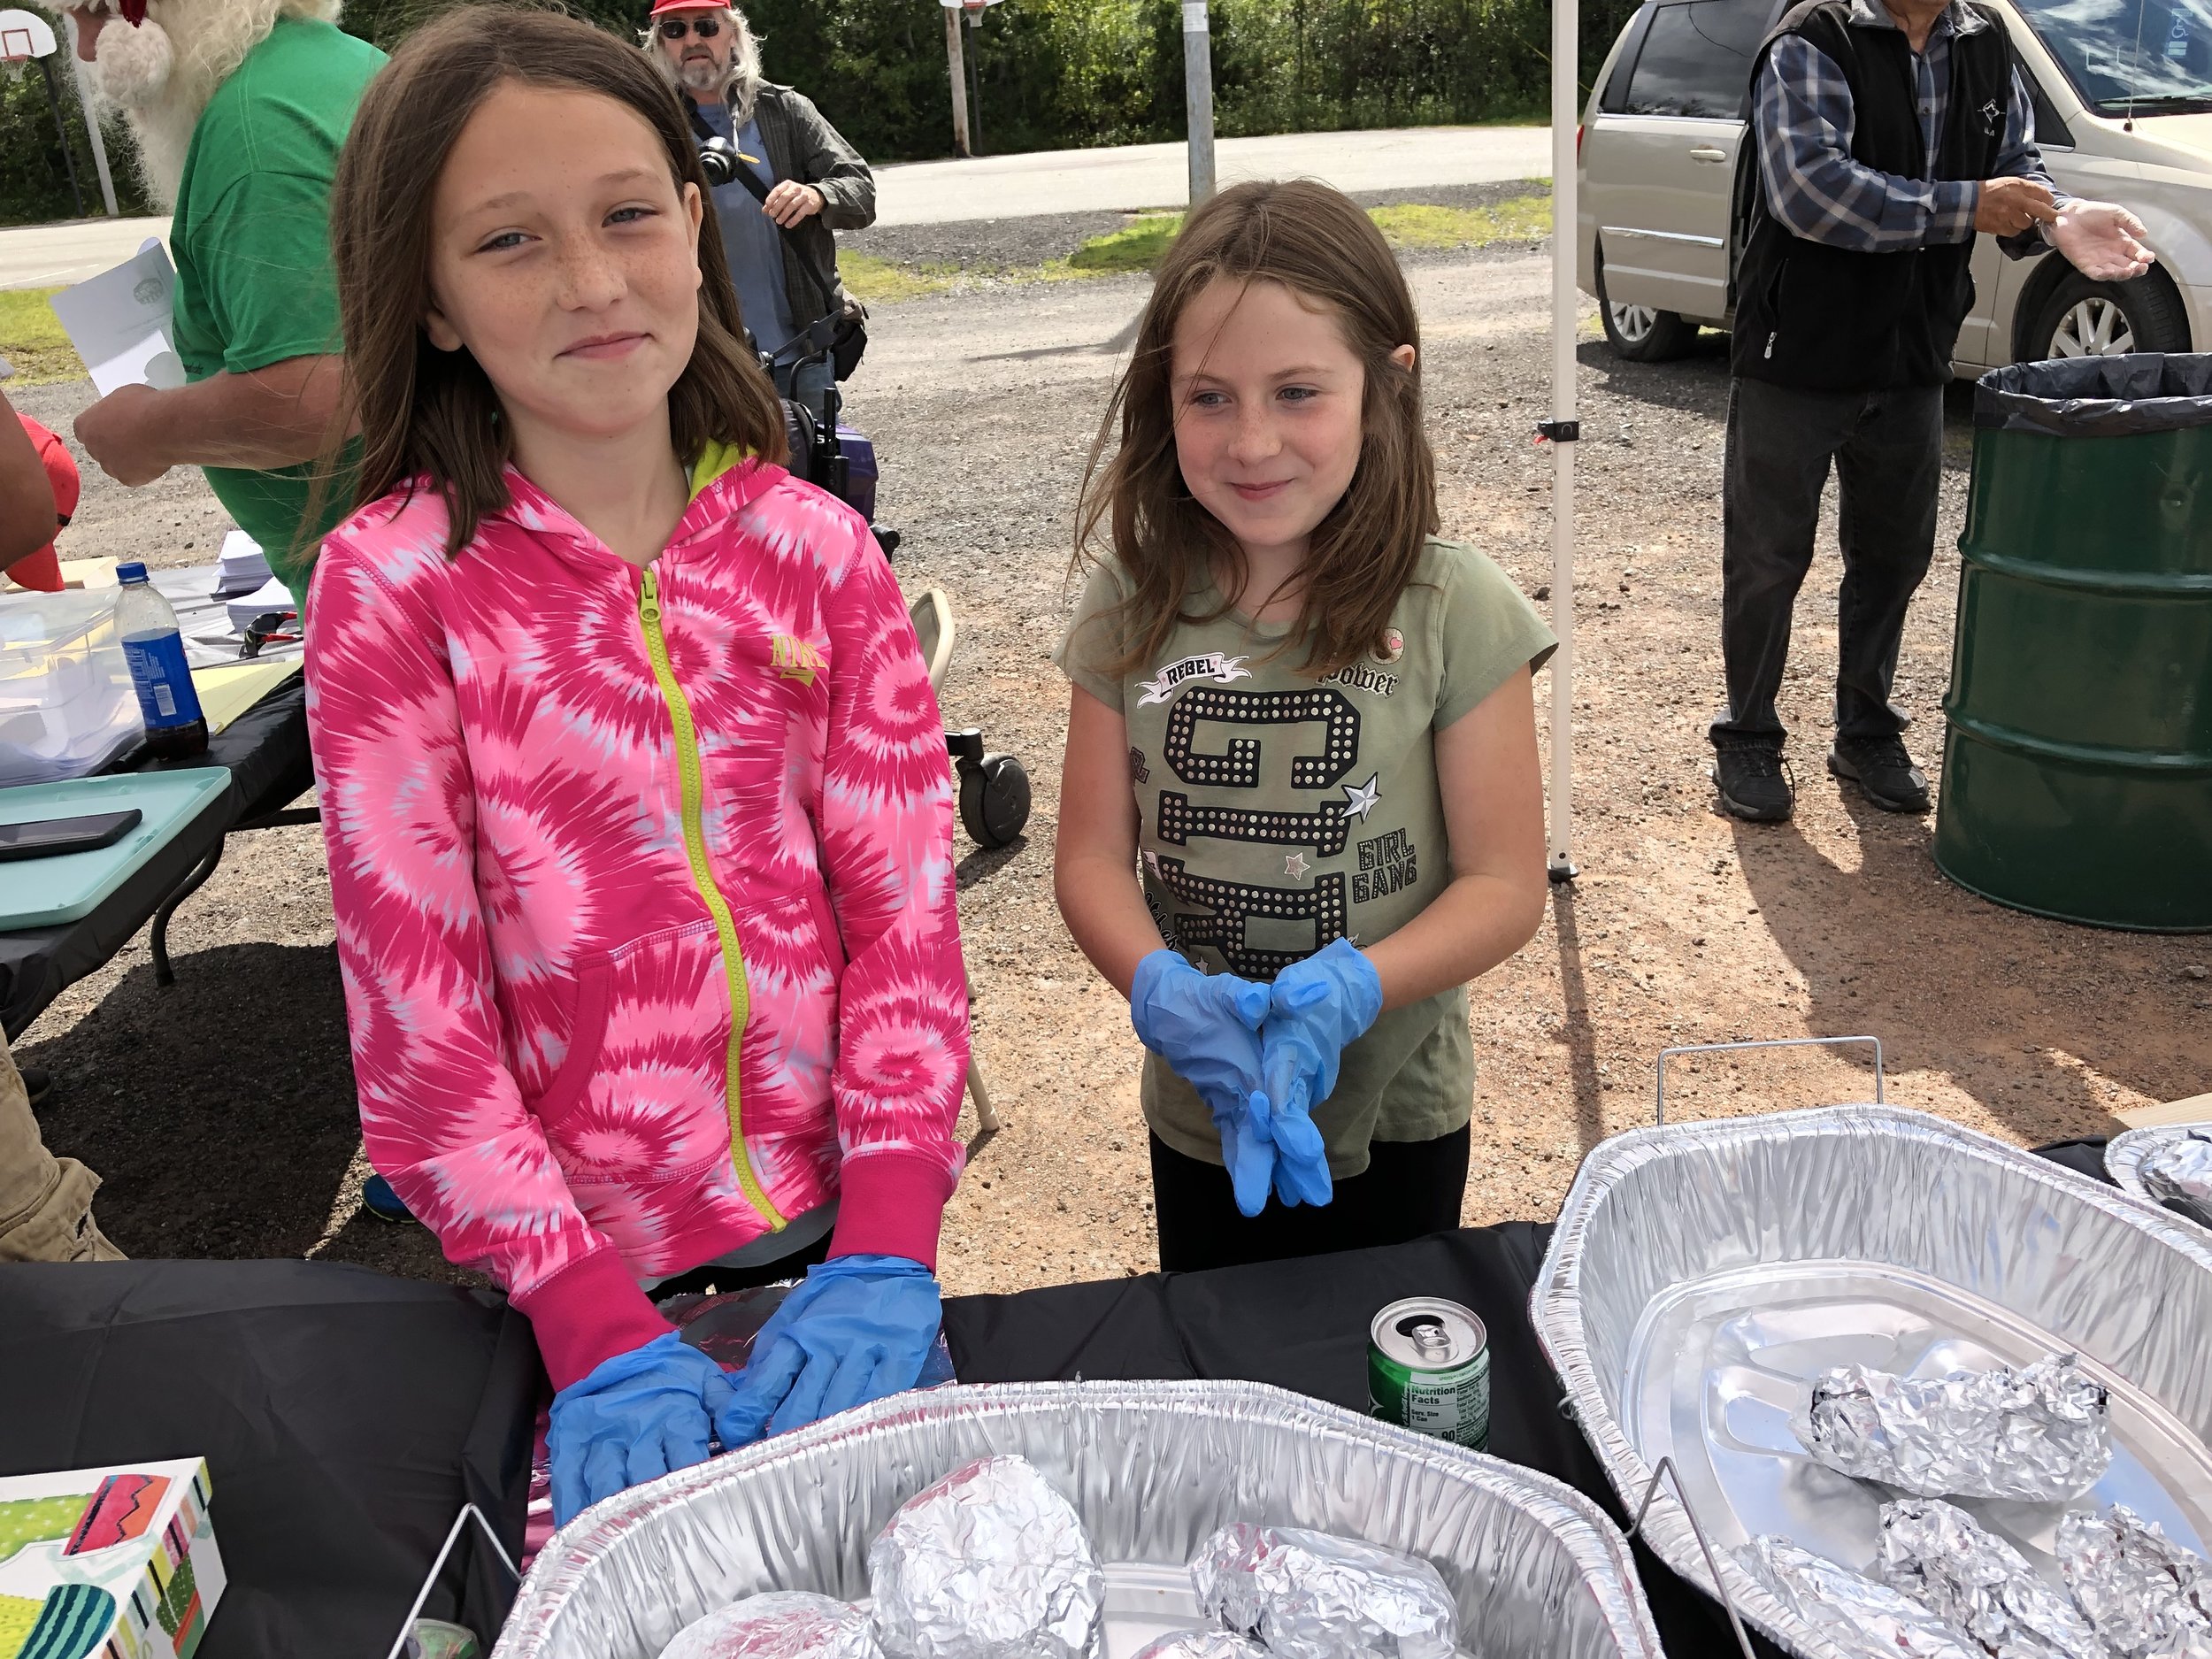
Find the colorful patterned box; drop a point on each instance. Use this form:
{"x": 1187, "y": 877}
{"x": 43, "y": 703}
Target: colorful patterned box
{"x": 107, "y": 1563}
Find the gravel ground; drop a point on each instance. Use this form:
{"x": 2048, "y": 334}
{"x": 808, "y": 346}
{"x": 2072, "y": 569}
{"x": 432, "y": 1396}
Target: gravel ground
{"x": 221, "y": 1110}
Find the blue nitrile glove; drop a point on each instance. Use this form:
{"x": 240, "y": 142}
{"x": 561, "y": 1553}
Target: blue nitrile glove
{"x": 1315, "y": 1008}
{"x": 1206, "y": 1026}
{"x": 859, "y": 1328}
{"x": 639, "y": 1415}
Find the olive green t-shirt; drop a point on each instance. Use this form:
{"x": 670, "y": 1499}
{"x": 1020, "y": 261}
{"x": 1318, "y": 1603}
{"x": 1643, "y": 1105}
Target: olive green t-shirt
{"x": 1279, "y": 812}
{"x": 251, "y": 236}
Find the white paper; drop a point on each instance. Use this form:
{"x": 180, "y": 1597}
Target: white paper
{"x": 273, "y": 595}
{"x": 120, "y": 323}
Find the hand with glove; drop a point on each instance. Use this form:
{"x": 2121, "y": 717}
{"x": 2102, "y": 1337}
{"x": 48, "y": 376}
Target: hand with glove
{"x": 638, "y": 1416}
{"x": 859, "y": 1328}
{"x": 2101, "y": 240}
{"x": 1206, "y": 1026}
{"x": 1315, "y": 1008}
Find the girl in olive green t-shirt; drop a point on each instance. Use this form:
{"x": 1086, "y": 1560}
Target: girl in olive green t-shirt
{"x": 1301, "y": 807}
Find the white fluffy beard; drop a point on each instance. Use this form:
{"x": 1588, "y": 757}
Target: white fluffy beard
{"x": 162, "y": 73}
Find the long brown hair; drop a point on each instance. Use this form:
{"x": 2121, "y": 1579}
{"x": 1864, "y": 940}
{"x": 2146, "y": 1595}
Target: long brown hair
{"x": 1313, "y": 241}
{"x": 427, "y": 412}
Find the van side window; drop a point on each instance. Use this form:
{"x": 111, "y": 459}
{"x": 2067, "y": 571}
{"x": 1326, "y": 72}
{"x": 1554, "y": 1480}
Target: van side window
{"x": 1696, "y": 59}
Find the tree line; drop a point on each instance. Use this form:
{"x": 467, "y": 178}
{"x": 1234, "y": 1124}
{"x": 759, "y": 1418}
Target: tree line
{"x": 1046, "y": 74}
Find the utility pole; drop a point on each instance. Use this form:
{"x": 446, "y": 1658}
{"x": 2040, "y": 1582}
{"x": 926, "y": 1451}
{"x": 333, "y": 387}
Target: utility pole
{"x": 959, "y": 73}
{"x": 1198, "y": 97}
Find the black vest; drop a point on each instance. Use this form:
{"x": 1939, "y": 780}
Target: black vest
{"x": 1827, "y": 318}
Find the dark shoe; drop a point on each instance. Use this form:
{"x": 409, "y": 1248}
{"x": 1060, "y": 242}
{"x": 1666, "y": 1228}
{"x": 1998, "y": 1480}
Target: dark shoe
{"x": 38, "y": 1083}
{"x": 1882, "y": 770}
{"x": 1754, "y": 782}
{"x": 379, "y": 1198}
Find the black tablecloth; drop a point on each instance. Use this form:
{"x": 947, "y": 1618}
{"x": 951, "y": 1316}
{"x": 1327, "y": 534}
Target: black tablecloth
{"x": 266, "y": 750}
{"x": 1302, "y": 1325}
{"x": 345, "y": 1417}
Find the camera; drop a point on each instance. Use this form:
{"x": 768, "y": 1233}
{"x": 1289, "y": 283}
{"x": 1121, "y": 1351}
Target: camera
{"x": 718, "y": 159}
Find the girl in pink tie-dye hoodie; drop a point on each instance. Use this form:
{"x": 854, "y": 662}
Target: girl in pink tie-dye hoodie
{"x": 634, "y": 786}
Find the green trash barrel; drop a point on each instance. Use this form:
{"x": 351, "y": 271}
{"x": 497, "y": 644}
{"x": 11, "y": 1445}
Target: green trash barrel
{"x": 2077, "y": 768}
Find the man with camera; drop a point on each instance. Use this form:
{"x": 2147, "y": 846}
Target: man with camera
{"x": 782, "y": 255}
{"x": 1888, "y": 133}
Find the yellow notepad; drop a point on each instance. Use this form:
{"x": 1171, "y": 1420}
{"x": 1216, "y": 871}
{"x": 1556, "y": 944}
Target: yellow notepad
{"x": 229, "y": 689}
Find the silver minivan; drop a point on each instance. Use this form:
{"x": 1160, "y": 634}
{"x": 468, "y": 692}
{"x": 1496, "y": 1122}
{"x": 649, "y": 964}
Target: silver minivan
{"x": 2122, "y": 92}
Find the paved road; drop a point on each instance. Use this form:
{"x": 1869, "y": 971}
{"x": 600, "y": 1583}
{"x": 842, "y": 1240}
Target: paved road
{"x": 1155, "y": 176}
{"x": 996, "y": 186}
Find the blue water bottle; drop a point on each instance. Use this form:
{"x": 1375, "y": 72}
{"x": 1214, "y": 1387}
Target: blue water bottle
{"x": 176, "y": 728}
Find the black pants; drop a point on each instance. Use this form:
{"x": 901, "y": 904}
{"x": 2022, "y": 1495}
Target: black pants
{"x": 1410, "y": 1189}
{"x": 1888, "y": 451}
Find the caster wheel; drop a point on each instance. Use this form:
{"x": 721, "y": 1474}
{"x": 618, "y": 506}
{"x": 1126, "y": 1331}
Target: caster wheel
{"x": 994, "y": 800}
{"x": 888, "y": 539}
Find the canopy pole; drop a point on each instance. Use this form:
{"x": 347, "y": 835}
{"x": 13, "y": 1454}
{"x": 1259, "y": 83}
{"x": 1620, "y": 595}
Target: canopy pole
{"x": 1562, "y": 429}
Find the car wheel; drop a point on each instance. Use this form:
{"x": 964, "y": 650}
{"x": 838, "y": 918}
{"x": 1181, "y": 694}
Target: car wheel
{"x": 1642, "y": 333}
{"x": 2083, "y": 318}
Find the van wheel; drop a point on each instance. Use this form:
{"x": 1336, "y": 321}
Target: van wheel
{"x": 2083, "y": 318}
{"x": 1640, "y": 333}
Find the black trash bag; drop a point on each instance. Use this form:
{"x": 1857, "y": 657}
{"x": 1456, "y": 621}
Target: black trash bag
{"x": 2099, "y": 398}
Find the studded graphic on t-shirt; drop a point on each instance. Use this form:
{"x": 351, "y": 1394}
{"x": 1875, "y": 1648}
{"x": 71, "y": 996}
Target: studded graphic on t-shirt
{"x": 1233, "y": 902}
{"x": 1388, "y": 863}
{"x": 1180, "y": 821}
{"x": 1240, "y": 768}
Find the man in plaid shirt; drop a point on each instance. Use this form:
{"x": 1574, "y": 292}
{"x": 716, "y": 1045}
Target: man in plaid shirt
{"x": 1888, "y": 133}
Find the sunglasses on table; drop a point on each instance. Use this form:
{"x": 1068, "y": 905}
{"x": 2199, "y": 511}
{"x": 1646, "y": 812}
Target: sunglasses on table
{"x": 676, "y": 28}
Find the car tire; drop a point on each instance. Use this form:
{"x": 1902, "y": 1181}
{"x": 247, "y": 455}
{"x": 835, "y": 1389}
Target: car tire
{"x": 1640, "y": 333}
{"x": 2088, "y": 318}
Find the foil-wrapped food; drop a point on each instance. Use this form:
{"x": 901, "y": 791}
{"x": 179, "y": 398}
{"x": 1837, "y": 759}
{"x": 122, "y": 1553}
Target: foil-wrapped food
{"x": 989, "y": 1564}
{"x": 2147, "y": 1596}
{"x": 1310, "y": 1595}
{"x": 2182, "y": 1170}
{"x": 1978, "y": 1583}
{"x": 782, "y": 1625}
{"x": 1857, "y": 1616}
{"x": 2038, "y": 1434}
{"x": 1202, "y": 1644}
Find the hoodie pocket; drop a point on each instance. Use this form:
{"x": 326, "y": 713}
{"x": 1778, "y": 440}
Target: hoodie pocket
{"x": 640, "y": 1096}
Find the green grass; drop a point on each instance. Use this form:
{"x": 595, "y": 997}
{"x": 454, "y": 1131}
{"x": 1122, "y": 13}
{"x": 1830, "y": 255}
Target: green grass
{"x": 1137, "y": 246}
{"x": 1416, "y": 225}
{"x": 874, "y": 281}
{"x": 31, "y": 338}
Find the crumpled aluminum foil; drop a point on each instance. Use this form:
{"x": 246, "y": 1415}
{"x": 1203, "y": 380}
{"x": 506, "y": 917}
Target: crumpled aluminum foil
{"x": 989, "y": 1564}
{"x": 1864, "y": 1619}
{"x": 2038, "y": 1434}
{"x": 1202, "y": 1644}
{"x": 2182, "y": 1168}
{"x": 2148, "y": 1597}
{"x": 1310, "y": 1595}
{"x": 1979, "y": 1584}
{"x": 781, "y": 1625}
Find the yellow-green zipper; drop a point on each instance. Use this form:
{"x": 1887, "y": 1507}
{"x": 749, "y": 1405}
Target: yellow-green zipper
{"x": 648, "y": 611}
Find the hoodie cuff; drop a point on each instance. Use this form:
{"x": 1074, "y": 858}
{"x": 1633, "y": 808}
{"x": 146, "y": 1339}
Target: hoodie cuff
{"x": 892, "y": 1203}
{"x": 588, "y": 1312}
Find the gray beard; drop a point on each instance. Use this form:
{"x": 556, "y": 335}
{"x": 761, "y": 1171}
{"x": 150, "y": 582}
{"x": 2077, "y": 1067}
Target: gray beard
{"x": 702, "y": 75}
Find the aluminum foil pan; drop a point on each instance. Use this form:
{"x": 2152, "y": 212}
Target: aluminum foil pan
{"x": 2132, "y": 1159}
{"x": 1153, "y": 1469}
{"x": 1703, "y": 1274}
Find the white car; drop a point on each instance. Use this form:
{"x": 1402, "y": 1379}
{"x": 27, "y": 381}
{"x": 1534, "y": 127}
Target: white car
{"x": 2122, "y": 92}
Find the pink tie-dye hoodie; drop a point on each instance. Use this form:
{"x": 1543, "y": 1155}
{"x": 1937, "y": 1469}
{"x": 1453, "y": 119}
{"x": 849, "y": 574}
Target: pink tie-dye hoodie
{"x": 577, "y": 812}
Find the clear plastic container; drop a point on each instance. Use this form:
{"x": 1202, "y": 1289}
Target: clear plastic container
{"x": 67, "y": 706}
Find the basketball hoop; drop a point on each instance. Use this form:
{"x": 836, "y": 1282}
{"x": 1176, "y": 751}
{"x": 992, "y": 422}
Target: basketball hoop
{"x": 23, "y": 36}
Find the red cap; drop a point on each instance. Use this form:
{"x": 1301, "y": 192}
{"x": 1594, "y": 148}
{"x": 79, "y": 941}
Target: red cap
{"x": 42, "y": 570}
{"x": 662, "y": 8}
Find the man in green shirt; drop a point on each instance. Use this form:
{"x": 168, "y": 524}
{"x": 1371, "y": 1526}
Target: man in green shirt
{"x": 240, "y": 108}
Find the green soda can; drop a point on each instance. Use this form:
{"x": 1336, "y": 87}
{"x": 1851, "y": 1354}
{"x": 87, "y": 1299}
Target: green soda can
{"x": 1428, "y": 1370}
